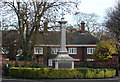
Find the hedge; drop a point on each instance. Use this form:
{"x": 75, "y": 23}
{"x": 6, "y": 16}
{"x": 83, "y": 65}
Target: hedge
{"x": 42, "y": 73}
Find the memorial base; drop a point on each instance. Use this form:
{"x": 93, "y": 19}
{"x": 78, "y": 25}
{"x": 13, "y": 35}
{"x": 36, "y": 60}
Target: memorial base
{"x": 63, "y": 60}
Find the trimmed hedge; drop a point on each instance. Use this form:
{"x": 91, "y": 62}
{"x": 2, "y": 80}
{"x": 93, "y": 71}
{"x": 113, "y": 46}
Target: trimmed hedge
{"x": 38, "y": 73}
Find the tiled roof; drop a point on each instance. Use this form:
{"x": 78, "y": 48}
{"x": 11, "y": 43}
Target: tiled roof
{"x": 82, "y": 38}
{"x": 53, "y": 38}
{"x": 74, "y": 38}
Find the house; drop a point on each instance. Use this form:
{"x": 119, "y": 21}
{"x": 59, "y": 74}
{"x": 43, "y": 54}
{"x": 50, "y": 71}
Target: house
{"x": 80, "y": 45}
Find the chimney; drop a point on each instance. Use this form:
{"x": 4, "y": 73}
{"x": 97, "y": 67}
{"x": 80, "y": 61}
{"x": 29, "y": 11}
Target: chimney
{"x": 82, "y": 27}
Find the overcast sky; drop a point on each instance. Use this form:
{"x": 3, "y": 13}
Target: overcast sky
{"x": 98, "y": 7}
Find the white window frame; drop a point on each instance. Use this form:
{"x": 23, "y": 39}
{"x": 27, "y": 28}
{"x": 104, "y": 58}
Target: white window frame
{"x": 72, "y": 50}
{"x": 50, "y": 62}
{"x": 90, "y": 50}
{"x": 90, "y": 59}
{"x": 38, "y": 50}
{"x": 54, "y": 50}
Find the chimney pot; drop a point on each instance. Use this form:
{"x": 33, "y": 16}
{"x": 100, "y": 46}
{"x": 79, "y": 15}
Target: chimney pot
{"x": 82, "y": 22}
{"x": 82, "y": 27}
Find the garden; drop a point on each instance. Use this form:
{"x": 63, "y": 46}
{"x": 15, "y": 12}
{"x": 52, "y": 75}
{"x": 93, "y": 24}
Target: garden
{"x": 37, "y": 71}
{"x": 50, "y": 73}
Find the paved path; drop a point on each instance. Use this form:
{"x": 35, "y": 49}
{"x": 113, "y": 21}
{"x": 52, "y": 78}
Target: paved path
{"x": 117, "y": 79}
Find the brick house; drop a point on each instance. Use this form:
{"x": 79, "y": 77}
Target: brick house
{"x": 80, "y": 45}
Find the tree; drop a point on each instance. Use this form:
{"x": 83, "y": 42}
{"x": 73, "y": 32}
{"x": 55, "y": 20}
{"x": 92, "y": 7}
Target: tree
{"x": 32, "y": 17}
{"x": 9, "y": 44}
{"x": 105, "y": 49}
{"x": 91, "y": 21}
{"x": 103, "y": 35}
{"x": 113, "y": 24}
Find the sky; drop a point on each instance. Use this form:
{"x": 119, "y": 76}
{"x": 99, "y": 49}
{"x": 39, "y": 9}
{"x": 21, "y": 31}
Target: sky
{"x": 98, "y": 7}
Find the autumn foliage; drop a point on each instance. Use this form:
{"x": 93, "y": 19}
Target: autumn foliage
{"x": 105, "y": 49}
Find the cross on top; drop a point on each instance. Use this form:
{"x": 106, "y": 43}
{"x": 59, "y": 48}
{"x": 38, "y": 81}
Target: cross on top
{"x": 62, "y": 14}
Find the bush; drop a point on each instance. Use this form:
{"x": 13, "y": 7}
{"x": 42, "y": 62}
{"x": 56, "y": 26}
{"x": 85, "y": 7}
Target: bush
{"x": 38, "y": 73}
{"x": 114, "y": 72}
{"x": 110, "y": 73}
{"x": 6, "y": 69}
{"x": 35, "y": 65}
{"x": 99, "y": 73}
{"x": 90, "y": 74}
{"x": 82, "y": 71}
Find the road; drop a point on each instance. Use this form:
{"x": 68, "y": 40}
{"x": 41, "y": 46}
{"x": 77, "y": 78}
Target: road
{"x": 63, "y": 80}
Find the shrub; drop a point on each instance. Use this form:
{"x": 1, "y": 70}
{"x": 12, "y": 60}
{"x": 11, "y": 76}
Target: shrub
{"x": 99, "y": 73}
{"x": 83, "y": 71}
{"x": 90, "y": 74}
{"x": 38, "y": 73}
{"x": 6, "y": 69}
{"x": 114, "y": 72}
{"x": 110, "y": 73}
{"x": 63, "y": 73}
{"x": 35, "y": 65}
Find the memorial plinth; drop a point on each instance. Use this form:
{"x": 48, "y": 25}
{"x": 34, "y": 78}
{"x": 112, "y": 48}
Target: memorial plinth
{"x": 63, "y": 60}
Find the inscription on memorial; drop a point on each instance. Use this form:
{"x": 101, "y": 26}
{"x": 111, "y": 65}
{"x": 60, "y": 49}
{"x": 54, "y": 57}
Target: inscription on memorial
{"x": 65, "y": 64}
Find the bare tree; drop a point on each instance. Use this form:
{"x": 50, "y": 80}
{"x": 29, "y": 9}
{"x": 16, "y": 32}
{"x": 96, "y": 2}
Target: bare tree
{"x": 32, "y": 17}
{"x": 113, "y": 24}
{"x": 91, "y": 21}
{"x": 9, "y": 44}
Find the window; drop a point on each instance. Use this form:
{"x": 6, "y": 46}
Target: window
{"x": 90, "y": 59}
{"x": 50, "y": 63}
{"x": 38, "y": 50}
{"x": 72, "y": 50}
{"x": 90, "y": 50}
{"x": 54, "y": 50}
